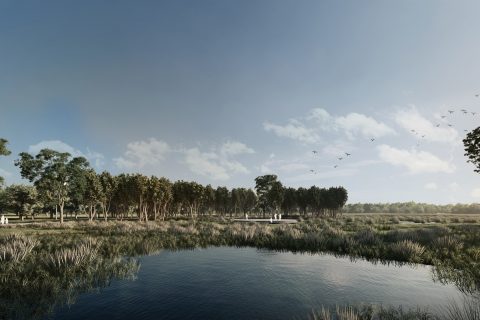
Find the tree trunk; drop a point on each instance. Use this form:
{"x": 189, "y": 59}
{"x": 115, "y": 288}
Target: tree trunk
{"x": 61, "y": 211}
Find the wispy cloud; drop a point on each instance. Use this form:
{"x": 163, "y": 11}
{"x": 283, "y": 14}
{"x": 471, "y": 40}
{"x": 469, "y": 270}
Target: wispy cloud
{"x": 356, "y": 124}
{"x": 143, "y": 153}
{"x": 417, "y": 125}
{"x": 415, "y": 161}
{"x": 294, "y": 130}
{"x": 218, "y": 163}
{"x": 310, "y": 128}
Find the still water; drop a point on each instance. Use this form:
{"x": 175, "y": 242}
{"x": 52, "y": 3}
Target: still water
{"x": 248, "y": 283}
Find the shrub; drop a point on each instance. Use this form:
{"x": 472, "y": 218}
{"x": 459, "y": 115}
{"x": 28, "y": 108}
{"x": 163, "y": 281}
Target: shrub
{"x": 407, "y": 250}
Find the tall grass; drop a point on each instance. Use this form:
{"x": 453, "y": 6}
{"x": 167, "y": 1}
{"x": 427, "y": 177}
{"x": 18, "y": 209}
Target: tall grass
{"x": 467, "y": 309}
{"x": 15, "y": 248}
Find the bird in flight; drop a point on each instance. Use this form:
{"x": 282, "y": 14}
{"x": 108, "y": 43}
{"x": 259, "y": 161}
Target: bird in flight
{"x": 474, "y": 113}
{"x": 464, "y": 111}
{"x": 335, "y": 166}
{"x": 315, "y": 151}
{"x": 313, "y": 171}
{"x": 372, "y": 139}
{"x": 347, "y": 154}
{"x": 477, "y": 95}
{"x": 423, "y": 136}
{"x": 451, "y": 111}
{"x": 450, "y": 125}
{"x": 340, "y": 158}
{"x": 437, "y": 125}
{"x": 465, "y": 130}
{"x": 443, "y": 117}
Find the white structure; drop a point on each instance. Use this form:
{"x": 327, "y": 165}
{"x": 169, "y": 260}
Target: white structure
{"x": 2, "y": 219}
{"x": 280, "y": 216}
{"x": 6, "y": 220}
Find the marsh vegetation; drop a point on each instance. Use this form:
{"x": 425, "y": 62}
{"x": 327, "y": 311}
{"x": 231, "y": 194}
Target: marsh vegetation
{"x": 47, "y": 265}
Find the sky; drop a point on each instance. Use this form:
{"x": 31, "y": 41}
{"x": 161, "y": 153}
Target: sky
{"x": 222, "y": 91}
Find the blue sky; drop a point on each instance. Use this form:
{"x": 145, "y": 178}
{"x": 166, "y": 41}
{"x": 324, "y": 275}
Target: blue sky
{"x": 223, "y": 91}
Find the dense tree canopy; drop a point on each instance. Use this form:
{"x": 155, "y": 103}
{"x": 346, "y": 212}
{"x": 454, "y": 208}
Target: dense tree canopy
{"x": 22, "y": 199}
{"x": 472, "y": 148}
{"x": 54, "y": 173}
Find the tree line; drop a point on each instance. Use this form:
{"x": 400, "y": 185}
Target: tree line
{"x": 411, "y": 207}
{"x": 62, "y": 184}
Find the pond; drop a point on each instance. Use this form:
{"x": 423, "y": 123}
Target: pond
{"x": 241, "y": 283}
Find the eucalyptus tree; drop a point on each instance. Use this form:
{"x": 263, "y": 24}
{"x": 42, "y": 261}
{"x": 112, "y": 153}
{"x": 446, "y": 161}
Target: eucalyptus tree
{"x": 302, "y": 196}
{"x": 336, "y": 197}
{"x": 165, "y": 188}
{"x": 109, "y": 185}
{"x": 250, "y": 201}
{"x": 222, "y": 199}
{"x": 289, "y": 204}
{"x": 316, "y": 199}
{"x": 208, "y": 199}
{"x": 179, "y": 196}
{"x": 275, "y": 196}
{"x": 139, "y": 184}
{"x": 194, "y": 195}
{"x": 93, "y": 194}
{"x": 22, "y": 199}
{"x": 123, "y": 198}
{"x": 51, "y": 172}
{"x": 472, "y": 148}
{"x": 159, "y": 195}
{"x": 263, "y": 187}
{"x": 236, "y": 200}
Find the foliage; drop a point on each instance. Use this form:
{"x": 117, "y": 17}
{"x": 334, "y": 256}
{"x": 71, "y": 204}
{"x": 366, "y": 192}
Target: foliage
{"x": 22, "y": 199}
{"x": 54, "y": 173}
{"x": 472, "y": 148}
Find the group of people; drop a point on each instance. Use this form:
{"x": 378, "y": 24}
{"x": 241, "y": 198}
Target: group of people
{"x": 3, "y": 219}
{"x": 275, "y": 217}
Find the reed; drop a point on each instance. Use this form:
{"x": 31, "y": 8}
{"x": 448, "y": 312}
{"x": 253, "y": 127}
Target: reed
{"x": 15, "y": 248}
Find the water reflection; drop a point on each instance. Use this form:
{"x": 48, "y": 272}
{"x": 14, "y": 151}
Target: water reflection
{"x": 27, "y": 293}
{"x": 33, "y": 287}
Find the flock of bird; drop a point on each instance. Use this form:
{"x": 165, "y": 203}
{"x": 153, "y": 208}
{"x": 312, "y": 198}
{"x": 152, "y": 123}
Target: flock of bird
{"x": 413, "y": 131}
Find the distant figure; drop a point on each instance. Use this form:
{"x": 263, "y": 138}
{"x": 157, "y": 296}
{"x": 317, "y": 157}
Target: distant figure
{"x": 275, "y": 215}
{"x": 246, "y": 216}
{"x": 2, "y": 219}
{"x": 271, "y": 221}
{"x": 6, "y": 220}
{"x": 280, "y": 216}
